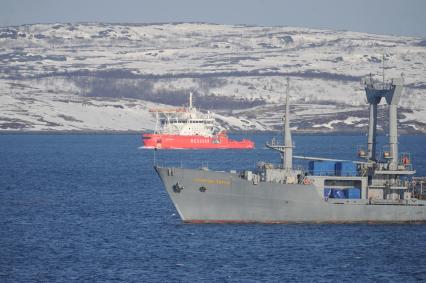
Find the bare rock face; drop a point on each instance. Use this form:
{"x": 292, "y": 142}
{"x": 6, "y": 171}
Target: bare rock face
{"x": 105, "y": 77}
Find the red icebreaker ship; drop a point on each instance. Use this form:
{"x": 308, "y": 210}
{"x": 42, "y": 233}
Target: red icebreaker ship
{"x": 186, "y": 128}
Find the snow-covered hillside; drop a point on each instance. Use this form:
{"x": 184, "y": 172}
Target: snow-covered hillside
{"x": 88, "y": 76}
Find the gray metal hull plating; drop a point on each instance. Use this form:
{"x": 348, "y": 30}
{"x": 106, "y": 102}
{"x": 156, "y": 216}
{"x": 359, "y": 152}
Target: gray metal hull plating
{"x": 229, "y": 198}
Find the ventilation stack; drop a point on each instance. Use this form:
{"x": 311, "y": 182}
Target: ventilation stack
{"x": 392, "y": 98}
{"x": 373, "y": 97}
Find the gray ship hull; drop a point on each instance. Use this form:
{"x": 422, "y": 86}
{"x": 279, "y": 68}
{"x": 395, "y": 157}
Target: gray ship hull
{"x": 220, "y": 197}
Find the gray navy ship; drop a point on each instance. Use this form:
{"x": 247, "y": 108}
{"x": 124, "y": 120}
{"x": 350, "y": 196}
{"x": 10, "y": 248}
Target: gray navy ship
{"x": 370, "y": 189}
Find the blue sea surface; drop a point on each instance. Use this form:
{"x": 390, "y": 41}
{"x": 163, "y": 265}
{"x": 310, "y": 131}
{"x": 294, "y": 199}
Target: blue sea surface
{"x": 90, "y": 208}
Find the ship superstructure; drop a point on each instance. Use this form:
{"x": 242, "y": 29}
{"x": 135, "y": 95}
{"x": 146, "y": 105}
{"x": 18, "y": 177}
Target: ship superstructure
{"x": 188, "y": 128}
{"x": 372, "y": 189}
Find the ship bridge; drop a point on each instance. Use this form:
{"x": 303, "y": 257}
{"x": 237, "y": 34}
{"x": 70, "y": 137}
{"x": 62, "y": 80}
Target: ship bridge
{"x": 184, "y": 121}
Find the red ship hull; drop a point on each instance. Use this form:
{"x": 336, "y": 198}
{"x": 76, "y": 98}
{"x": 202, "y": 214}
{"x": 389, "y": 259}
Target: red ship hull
{"x": 221, "y": 141}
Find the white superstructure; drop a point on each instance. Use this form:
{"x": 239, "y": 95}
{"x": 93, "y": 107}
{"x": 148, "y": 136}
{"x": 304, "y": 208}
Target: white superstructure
{"x": 184, "y": 121}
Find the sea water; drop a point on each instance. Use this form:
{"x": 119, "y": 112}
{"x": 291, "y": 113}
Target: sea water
{"x": 90, "y": 208}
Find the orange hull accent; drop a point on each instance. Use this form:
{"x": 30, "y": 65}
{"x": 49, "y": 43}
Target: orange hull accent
{"x": 220, "y": 141}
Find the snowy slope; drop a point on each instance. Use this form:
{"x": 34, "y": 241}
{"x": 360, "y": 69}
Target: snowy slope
{"x": 89, "y": 76}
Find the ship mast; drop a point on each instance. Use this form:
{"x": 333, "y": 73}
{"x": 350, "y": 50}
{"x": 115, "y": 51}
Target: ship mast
{"x": 285, "y": 149}
{"x": 288, "y": 144}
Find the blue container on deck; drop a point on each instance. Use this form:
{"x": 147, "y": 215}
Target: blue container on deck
{"x": 322, "y": 168}
{"x": 346, "y": 169}
{"x": 353, "y": 193}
